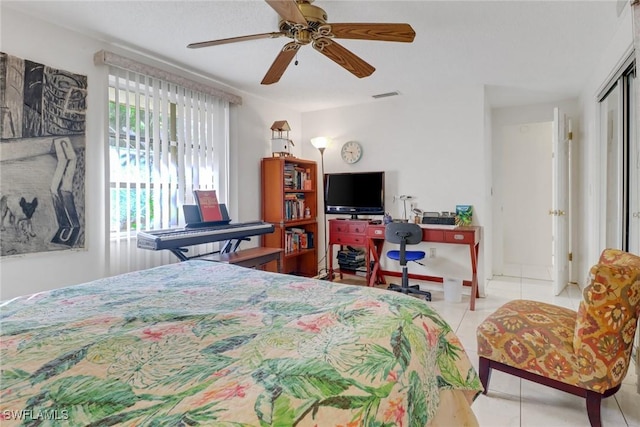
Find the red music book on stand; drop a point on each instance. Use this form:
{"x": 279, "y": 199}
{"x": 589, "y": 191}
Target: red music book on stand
{"x": 207, "y": 202}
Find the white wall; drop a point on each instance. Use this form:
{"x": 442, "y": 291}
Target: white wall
{"x": 431, "y": 147}
{"x": 42, "y": 42}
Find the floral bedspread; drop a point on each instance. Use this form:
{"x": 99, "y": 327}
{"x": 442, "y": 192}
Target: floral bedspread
{"x": 201, "y": 343}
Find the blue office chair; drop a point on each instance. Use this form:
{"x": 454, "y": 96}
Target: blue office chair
{"x": 405, "y": 234}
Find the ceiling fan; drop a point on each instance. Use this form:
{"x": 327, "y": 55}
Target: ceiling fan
{"x": 306, "y": 23}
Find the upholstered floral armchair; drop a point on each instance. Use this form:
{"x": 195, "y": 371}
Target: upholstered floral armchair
{"x": 585, "y": 353}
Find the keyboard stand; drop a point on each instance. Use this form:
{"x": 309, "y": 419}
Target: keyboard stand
{"x": 229, "y": 246}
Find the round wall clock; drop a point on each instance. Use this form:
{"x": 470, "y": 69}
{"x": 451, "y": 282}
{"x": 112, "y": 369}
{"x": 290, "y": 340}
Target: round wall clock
{"x": 351, "y": 152}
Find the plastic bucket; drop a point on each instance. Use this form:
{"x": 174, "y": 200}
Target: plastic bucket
{"x": 452, "y": 290}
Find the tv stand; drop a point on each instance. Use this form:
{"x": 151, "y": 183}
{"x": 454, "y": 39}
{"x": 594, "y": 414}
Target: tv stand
{"x": 353, "y": 232}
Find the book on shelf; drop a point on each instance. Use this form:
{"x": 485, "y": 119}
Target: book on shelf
{"x": 297, "y": 239}
{"x": 295, "y": 177}
{"x": 308, "y": 239}
{"x": 294, "y": 206}
{"x": 207, "y": 201}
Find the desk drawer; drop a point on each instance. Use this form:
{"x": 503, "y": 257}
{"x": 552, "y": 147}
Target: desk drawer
{"x": 432, "y": 235}
{"x": 375, "y": 231}
{"x": 337, "y": 227}
{"x": 349, "y": 239}
{"x": 358, "y": 228}
{"x": 453, "y": 236}
{"x": 351, "y": 227}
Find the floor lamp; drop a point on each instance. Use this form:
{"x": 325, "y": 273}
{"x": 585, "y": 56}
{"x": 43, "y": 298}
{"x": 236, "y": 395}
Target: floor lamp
{"x": 321, "y": 143}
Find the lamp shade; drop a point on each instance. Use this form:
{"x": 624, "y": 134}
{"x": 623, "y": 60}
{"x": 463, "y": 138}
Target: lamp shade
{"x": 320, "y": 142}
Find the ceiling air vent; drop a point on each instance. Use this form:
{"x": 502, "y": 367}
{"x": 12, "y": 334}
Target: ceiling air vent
{"x": 385, "y": 95}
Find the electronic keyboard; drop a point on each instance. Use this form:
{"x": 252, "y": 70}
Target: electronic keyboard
{"x": 174, "y": 239}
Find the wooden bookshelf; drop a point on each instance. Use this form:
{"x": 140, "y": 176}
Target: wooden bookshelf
{"x": 290, "y": 203}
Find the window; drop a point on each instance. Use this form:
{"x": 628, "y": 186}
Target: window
{"x": 164, "y": 141}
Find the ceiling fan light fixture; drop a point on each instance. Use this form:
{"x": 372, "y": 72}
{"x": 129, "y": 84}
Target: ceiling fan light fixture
{"x": 386, "y": 95}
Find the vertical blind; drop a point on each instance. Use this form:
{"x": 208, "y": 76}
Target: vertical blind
{"x": 164, "y": 141}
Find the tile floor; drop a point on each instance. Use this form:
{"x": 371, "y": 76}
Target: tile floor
{"x": 515, "y": 402}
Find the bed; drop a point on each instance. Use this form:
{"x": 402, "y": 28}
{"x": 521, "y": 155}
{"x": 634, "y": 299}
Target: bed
{"x": 202, "y": 343}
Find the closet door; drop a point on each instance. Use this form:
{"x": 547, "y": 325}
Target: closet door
{"x": 634, "y": 169}
{"x": 619, "y": 144}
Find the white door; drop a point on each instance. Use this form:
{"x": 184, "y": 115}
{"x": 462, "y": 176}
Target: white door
{"x": 560, "y": 205}
{"x": 526, "y": 189}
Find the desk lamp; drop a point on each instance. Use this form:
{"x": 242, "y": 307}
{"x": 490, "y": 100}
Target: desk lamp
{"x": 404, "y": 199}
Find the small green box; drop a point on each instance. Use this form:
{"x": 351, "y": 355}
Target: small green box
{"x": 464, "y": 214}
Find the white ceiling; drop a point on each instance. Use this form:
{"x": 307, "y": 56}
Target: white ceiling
{"x": 524, "y": 51}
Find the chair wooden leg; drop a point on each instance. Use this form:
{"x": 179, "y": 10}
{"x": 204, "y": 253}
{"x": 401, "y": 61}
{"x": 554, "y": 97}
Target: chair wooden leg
{"x": 594, "y": 401}
{"x": 484, "y": 369}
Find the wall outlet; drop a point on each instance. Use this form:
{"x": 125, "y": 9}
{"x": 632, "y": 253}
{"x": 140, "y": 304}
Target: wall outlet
{"x": 432, "y": 252}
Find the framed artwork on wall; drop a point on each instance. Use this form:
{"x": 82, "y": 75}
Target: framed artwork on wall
{"x": 42, "y": 157}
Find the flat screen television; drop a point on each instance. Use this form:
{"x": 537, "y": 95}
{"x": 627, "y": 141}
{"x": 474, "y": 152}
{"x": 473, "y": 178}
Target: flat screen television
{"x": 355, "y": 193}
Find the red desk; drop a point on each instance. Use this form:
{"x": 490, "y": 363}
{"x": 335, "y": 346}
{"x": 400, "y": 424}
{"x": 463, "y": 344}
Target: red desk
{"x": 371, "y": 236}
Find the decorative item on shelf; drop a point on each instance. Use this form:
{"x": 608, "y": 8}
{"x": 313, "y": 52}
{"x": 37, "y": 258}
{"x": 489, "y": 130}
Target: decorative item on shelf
{"x": 280, "y": 142}
{"x": 464, "y": 214}
{"x": 387, "y": 219}
{"x": 418, "y": 214}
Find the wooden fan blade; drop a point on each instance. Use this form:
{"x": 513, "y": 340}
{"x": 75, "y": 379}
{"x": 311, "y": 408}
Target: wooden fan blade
{"x": 383, "y": 32}
{"x": 288, "y": 10}
{"x": 281, "y": 63}
{"x": 235, "y": 39}
{"x": 343, "y": 57}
